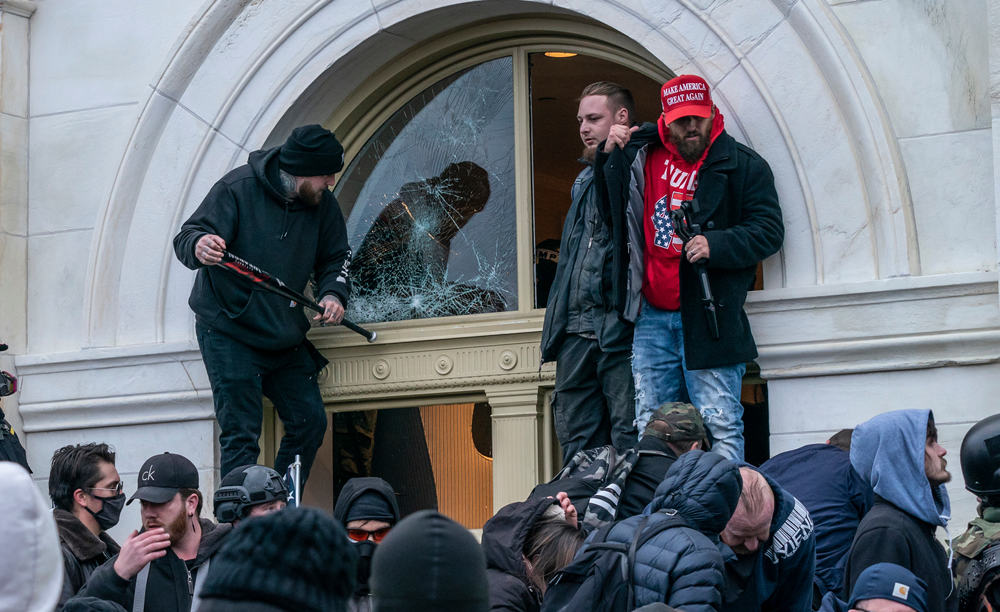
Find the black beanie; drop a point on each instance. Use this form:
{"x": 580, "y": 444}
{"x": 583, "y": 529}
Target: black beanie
{"x": 294, "y": 559}
{"x": 311, "y": 150}
{"x": 370, "y": 506}
{"x": 429, "y": 562}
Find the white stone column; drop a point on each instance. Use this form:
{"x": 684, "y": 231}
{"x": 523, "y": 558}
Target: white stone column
{"x": 993, "y": 19}
{"x": 516, "y": 441}
{"x": 14, "y": 16}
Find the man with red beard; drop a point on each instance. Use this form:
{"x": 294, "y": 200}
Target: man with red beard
{"x": 164, "y": 564}
{"x": 649, "y": 171}
{"x": 275, "y": 211}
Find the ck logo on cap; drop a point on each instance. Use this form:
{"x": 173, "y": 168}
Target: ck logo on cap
{"x": 148, "y": 474}
{"x": 900, "y": 590}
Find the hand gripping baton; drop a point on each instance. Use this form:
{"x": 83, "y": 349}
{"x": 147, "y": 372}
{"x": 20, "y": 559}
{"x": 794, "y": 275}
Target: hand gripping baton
{"x": 275, "y": 285}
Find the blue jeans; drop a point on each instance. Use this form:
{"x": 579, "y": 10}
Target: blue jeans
{"x": 661, "y": 376}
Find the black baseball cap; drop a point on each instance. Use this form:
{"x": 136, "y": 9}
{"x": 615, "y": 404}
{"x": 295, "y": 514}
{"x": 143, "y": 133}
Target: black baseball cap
{"x": 162, "y": 476}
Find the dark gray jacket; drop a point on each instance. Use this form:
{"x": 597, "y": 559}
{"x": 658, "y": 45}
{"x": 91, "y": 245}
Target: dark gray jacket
{"x": 683, "y": 566}
{"x": 579, "y": 241}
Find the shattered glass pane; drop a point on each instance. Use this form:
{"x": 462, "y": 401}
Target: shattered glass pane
{"x": 432, "y": 225}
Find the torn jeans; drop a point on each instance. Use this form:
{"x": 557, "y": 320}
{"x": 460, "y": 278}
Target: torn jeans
{"x": 661, "y": 376}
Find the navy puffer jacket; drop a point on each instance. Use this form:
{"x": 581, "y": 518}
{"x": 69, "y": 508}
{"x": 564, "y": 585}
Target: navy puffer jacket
{"x": 683, "y": 567}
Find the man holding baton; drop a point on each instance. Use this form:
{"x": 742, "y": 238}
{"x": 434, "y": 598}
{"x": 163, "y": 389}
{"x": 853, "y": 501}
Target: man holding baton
{"x": 691, "y": 340}
{"x": 277, "y": 212}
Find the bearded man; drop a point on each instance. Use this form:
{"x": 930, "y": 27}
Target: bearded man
{"x": 647, "y": 172}
{"x": 164, "y": 564}
{"x": 277, "y": 212}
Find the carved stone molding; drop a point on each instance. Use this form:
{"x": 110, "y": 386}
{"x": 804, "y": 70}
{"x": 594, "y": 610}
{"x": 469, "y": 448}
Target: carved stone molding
{"x": 21, "y": 8}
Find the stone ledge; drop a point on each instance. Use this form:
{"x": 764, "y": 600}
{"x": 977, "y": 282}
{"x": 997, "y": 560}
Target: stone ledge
{"x": 21, "y": 8}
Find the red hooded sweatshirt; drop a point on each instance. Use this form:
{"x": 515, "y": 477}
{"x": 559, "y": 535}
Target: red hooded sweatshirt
{"x": 670, "y": 180}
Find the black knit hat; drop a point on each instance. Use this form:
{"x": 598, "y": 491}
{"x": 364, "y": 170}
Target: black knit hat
{"x": 429, "y": 562}
{"x": 311, "y": 150}
{"x": 370, "y": 506}
{"x": 294, "y": 559}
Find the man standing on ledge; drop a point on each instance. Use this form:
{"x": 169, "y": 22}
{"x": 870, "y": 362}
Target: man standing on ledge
{"x": 593, "y": 403}
{"x": 687, "y": 156}
{"x": 276, "y": 212}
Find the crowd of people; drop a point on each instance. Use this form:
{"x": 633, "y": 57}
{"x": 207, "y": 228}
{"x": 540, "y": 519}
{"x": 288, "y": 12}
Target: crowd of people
{"x": 654, "y": 508}
{"x": 844, "y": 525}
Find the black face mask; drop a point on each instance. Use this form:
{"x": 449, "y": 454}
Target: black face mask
{"x": 111, "y": 510}
{"x": 365, "y": 551}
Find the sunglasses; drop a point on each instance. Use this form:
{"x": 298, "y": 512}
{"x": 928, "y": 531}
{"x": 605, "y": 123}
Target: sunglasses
{"x": 360, "y": 535}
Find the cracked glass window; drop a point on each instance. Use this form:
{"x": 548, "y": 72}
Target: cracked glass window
{"x": 433, "y": 222}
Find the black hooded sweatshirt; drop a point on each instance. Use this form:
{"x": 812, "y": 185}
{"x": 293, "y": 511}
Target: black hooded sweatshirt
{"x": 353, "y": 489}
{"x": 284, "y": 236}
{"x": 503, "y": 544}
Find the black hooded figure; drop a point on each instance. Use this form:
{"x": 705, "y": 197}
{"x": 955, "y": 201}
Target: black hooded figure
{"x": 365, "y": 506}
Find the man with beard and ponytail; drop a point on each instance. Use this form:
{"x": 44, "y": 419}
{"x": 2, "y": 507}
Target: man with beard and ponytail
{"x": 276, "y": 212}
{"x": 87, "y": 496}
{"x": 368, "y": 510}
{"x": 161, "y": 567}
{"x": 647, "y": 172}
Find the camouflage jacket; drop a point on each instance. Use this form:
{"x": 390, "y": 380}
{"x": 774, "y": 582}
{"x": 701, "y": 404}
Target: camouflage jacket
{"x": 977, "y": 564}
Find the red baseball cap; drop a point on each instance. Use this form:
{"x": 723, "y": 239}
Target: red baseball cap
{"x": 684, "y": 96}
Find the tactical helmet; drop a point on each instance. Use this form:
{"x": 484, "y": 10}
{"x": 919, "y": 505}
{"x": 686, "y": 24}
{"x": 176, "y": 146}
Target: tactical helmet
{"x": 245, "y": 487}
{"x": 981, "y": 457}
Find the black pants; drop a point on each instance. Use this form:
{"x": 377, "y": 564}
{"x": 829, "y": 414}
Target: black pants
{"x": 594, "y": 400}
{"x": 240, "y": 374}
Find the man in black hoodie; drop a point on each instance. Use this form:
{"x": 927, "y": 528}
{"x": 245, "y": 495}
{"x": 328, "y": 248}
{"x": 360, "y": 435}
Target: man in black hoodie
{"x": 276, "y": 212}
{"x": 368, "y": 510}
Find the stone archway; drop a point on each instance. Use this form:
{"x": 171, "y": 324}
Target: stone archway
{"x": 244, "y": 72}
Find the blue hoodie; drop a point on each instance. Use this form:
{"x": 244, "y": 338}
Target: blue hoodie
{"x": 888, "y": 452}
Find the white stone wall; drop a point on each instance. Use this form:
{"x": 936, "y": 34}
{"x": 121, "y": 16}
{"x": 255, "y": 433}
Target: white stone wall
{"x": 875, "y": 115}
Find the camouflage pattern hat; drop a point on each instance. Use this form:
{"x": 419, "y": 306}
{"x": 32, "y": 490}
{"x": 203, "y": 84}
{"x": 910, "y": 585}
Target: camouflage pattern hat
{"x": 684, "y": 424}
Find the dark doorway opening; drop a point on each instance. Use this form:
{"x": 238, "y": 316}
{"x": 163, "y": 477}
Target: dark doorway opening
{"x": 556, "y": 83}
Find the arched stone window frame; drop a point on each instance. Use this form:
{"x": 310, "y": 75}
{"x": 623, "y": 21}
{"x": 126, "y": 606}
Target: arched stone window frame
{"x": 371, "y": 105}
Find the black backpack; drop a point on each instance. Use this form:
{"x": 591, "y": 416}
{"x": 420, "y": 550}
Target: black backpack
{"x": 600, "y": 577}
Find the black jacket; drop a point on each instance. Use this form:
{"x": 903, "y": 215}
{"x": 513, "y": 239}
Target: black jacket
{"x": 167, "y": 589}
{"x": 82, "y": 551}
{"x": 646, "y": 476}
{"x": 739, "y": 216}
{"x": 888, "y": 534}
{"x": 285, "y": 237}
{"x": 352, "y": 490}
{"x": 683, "y": 566}
{"x": 503, "y": 543}
{"x": 613, "y": 333}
